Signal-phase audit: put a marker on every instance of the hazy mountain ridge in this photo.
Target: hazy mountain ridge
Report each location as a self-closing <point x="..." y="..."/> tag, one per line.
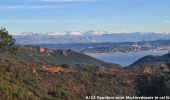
<point x="87" y="37"/>
<point x="112" y="47"/>
<point x="124" y="47"/>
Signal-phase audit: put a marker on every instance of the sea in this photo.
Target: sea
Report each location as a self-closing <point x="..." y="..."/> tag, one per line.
<point x="125" y="59"/>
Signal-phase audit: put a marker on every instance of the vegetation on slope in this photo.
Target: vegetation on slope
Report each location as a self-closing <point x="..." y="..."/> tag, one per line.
<point x="151" y="61"/>
<point x="22" y="80"/>
<point x="42" y="55"/>
<point x="156" y="83"/>
<point x="35" y="73"/>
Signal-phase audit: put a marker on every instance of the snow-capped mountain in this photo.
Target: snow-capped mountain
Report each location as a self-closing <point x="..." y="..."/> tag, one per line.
<point x="91" y="32"/>
<point x="86" y="37"/>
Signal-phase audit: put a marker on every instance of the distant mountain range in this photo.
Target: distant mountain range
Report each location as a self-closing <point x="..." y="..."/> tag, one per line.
<point x="86" y="37"/>
<point x="112" y="47"/>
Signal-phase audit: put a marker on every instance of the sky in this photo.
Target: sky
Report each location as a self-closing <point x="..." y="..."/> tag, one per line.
<point x="82" y="15"/>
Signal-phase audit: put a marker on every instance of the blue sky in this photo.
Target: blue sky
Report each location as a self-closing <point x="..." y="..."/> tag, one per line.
<point x="82" y="15"/>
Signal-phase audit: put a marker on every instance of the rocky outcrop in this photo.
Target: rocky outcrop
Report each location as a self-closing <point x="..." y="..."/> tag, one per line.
<point x="35" y="49"/>
<point x="49" y="52"/>
<point x="42" y="50"/>
<point x="55" y="70"/>
<point x="66" y="52"/>
<point x="147" y="70"/>
<point x="34" y="71"/>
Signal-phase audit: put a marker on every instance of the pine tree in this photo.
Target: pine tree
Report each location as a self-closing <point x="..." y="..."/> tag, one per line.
<point x="7" y="43"/>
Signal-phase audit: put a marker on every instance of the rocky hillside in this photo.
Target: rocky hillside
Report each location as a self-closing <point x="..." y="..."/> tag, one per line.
<point x="35" y="54"/>
<point x="21" y="78"/>
<point x="35" y="73"/>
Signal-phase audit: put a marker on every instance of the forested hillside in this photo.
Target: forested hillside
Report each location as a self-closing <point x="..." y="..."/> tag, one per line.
<point x="36" y="73"/>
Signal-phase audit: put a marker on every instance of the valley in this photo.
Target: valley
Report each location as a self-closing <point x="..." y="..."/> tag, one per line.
<point x="35" y="73"/>
<point x="84" y="50"/>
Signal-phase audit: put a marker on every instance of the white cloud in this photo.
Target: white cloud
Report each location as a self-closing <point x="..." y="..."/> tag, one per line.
<point x="167" y="21"/>
<point x="52" y="21"/>
<point x="83" y="21"/>
<point x="67" y="0"/>
<point x="27" y="21"/>
<point x="31" y="7"/>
